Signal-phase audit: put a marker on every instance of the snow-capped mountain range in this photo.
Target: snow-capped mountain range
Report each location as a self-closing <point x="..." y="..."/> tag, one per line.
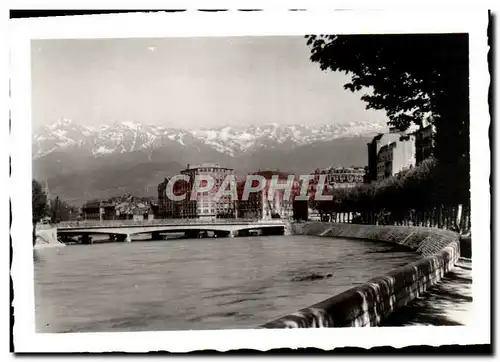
<point x="65" y="135"/>
<point x="82" y="163"/>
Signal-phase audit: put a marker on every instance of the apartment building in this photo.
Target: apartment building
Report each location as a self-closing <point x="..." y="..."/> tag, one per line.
<point x="389" y="154"/>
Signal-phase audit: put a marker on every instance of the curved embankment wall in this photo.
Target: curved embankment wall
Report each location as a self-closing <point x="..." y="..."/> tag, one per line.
<point x="47" y="238"/>
<point x="370" y="303"/>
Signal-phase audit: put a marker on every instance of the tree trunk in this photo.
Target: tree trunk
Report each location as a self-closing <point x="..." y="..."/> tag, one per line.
<point x="34" y="233"/>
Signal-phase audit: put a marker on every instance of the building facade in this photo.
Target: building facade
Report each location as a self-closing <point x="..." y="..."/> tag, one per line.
<point x="116" y="209"/>
<point x="260" y="205"/>
<point x="389" y="154"/>
<point x="91" y="210"/>
<point x="395" y="157"/>
<point x="424" y="143"/>
<point x="204" y="206"/>
<point x="99" y="210"/>
<point x="167" y="208"/>
<point x="341" y="177"/>
<point x="252" y="207"/>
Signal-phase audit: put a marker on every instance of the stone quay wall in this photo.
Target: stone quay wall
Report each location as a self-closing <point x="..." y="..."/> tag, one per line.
<point x="46" y="238"/>
<point x="368" y="304"/>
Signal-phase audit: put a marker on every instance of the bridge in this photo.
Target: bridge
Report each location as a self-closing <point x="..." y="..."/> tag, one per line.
<point x="123" y="230"/>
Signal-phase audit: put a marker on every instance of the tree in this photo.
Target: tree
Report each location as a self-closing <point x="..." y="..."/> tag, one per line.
<point x="410" y="189"/>
<point x="38" y="204"/>
<point x="300" y="210"/>
<point x="60" y="210"/>
<point x="413" y="78"/>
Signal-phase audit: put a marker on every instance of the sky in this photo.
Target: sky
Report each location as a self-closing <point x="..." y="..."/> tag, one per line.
<point x="189" y="83"/>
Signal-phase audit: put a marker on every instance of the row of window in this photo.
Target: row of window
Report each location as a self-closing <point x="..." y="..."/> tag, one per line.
<point x="339" y="172"/>
<point x="214" y="169"/>
<point x="214" y="208"/>
<point x="344" y="178"/>
<point x="198" y="171"/>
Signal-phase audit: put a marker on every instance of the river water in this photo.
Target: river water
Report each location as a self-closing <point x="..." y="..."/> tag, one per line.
<point x="200" y="283"/>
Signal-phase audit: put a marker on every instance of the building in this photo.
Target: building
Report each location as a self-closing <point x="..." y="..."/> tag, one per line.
<point x="300" y="210"/>
<point x="91" y="210"/>
<point x="167" y="208"/>
<point x="98" y="210"/>
<point x="161" y="211"/>
<point x="341" y="177"/>
<point x="252" y="207"/>
<point x="204" y="206"/>
<point x="389" y="154"/>
<point x="374" y="148"/>
<point x="259" y="204"/>
<point x="395" y="157"/>
<point x="142" y="212"/>
<point x="133" y="209"/>
<point x="424" y="143"/>
<point x="108" y="211"/>
<point x="117" y="209"/>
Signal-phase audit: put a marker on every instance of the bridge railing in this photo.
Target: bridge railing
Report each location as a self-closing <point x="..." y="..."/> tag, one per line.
<point x="124" y="223"/>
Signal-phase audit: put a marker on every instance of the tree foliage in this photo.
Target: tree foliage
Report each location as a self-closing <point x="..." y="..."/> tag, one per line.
<point x="413" y="78"/>
<point x="38" y="205"/>
<point x="60" y="210"/>
<point x="38" y="201"/>
<point x="412" y="189"/>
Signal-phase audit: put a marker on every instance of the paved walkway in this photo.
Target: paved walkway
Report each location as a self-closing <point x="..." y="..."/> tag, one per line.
<point x="448" y="303"/>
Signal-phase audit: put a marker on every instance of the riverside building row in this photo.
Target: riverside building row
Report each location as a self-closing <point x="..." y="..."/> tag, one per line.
<point x="396" y="151"/>
<point x="388" y="154"/>
<point x="204" y="206"/>
<point x="258" y="205"/>
<point x="126" y="208"/>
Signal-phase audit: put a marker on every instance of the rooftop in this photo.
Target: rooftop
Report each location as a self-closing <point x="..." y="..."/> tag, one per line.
<point x="206" y="165"/>
<point x="341" y="169"/>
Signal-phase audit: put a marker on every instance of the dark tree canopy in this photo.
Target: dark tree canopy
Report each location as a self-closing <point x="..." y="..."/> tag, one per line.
<point x="413" y="78"/>
<point x="409" y="74"/>
<point x="38" y="201"/>
<point x="60" y="210"/>
<point x="411" y="189"/>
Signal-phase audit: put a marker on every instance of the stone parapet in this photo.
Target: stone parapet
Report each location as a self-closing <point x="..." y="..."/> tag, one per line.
<point x="370" y="303"/>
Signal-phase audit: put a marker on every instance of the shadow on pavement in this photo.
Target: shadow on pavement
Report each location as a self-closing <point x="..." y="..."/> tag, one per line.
<point x="442" y="305"/>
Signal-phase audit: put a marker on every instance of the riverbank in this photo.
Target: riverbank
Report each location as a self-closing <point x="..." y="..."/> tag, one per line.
<point x="447" y="303"/>
<point x="196" y="284"/>
<point x="372" y="302"/>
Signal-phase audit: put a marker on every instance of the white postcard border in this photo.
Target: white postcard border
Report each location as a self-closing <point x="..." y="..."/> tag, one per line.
<point x="233" y="23"/>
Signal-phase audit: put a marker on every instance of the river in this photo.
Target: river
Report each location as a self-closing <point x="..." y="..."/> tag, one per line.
<point x="200" y="283"/>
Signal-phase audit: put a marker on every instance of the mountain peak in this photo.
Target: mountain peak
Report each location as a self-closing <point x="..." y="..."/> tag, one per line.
<point x="230" y="140"/>
<point x="63" y="122"/>
<point x="83" y="162"/>
<point x="131" y="125"/>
